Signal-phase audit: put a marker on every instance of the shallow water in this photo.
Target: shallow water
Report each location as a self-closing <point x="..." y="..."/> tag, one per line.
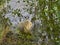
<point x="14" y="5"/>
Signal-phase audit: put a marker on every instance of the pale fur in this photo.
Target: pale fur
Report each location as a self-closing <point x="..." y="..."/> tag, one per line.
<point x="25" y="26"/>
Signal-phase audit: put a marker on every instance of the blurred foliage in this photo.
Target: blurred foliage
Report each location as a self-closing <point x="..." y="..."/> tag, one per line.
<point x="1" y="2"/>
<point x="48" y="11"/>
